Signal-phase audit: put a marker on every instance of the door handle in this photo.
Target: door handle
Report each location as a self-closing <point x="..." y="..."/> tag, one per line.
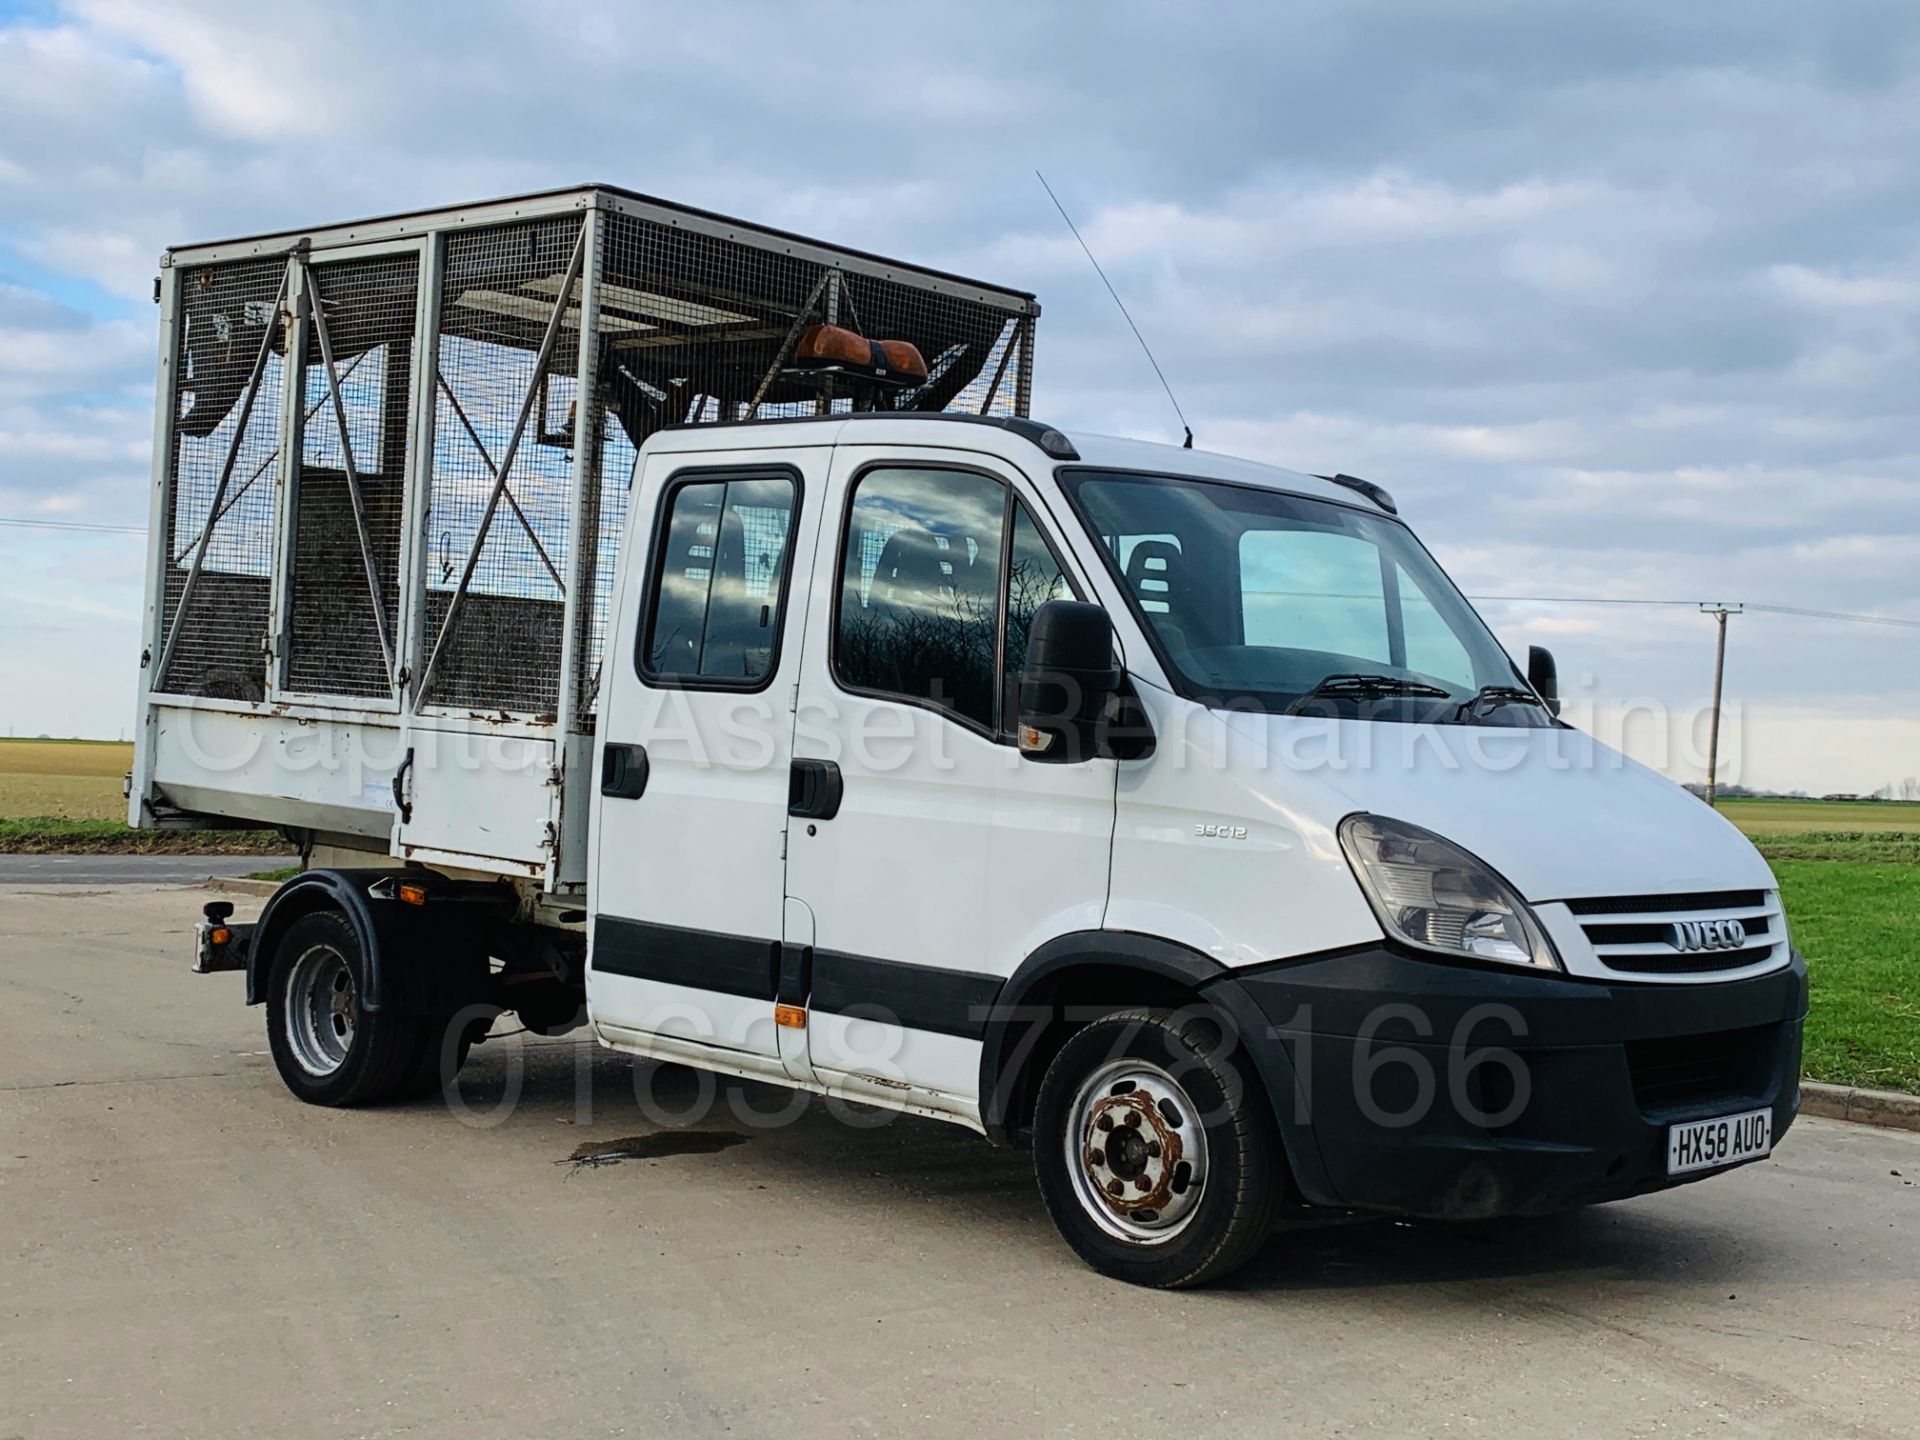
<point x="623" y="771"/>
<point x="400" y="801"/>
<point x="814" y="789"/>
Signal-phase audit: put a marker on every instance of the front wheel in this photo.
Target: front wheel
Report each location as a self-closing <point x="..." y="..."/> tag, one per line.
<point x="328" y="1048"/>
<point x="1154" y="1149"/>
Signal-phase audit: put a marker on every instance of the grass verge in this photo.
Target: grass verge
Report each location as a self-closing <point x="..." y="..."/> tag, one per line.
<point x="1858" y="924"/>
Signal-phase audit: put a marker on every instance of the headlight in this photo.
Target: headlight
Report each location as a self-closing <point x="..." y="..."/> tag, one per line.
<point x="1431" y="893"/>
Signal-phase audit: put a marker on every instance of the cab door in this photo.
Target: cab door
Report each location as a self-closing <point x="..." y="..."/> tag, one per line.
<point x="694" y="751"/>
<point x="926" y="857"/>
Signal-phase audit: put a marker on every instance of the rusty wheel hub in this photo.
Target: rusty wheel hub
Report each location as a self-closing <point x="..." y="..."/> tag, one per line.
<point x="1132" y="1152"/>
<point x="1137" y="1151"/>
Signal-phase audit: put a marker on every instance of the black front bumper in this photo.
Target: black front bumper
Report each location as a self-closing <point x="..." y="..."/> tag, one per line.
<point x="1423" y="1088"/>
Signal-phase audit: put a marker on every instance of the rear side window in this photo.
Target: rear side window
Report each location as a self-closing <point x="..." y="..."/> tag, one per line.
<point x="920" y="589"/>
<point x="714" y="608"/>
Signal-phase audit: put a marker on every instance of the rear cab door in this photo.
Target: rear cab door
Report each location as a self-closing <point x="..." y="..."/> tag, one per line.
<point x="695" y="743"/>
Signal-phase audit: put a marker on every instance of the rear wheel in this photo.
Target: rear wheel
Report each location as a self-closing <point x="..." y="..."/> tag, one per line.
<point x="444" y="1044"/>
<point x="328" y="1047"/>
<point x="1154" y="1149"/>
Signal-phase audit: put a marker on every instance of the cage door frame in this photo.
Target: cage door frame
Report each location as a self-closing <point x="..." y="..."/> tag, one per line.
<point x="434" y="647"/>
<point x="298" y="415"/>
<point x="218" y="504"/>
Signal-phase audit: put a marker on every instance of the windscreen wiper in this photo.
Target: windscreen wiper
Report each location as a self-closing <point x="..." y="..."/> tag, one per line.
<point x="1496" y="696"/>
<point x="1368" y="687"/>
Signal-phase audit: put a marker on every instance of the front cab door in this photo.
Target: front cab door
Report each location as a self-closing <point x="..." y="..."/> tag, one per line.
<point x="939" y="859"/>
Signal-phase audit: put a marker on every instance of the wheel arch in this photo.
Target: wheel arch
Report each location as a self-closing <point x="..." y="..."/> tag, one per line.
<point x="455" y="927"/>
<point x="342" y="891"/>
<point x="1115" y="969"/>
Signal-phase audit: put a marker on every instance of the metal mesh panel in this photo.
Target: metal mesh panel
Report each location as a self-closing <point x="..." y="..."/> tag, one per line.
<point x="501" y="285"/>
<point x="699" y="328"/>
<point x="337" y="644"/>
<point x="609" y="487"/>
<point x="224" y="314"/>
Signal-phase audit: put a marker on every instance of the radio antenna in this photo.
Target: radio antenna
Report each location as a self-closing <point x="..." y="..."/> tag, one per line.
<point x="1123" y="308"/>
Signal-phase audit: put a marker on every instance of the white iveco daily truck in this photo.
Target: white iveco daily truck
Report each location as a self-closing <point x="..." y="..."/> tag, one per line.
<point x="650" y="621"/>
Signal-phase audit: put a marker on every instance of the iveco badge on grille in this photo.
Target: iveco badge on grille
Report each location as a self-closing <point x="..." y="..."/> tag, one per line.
<point x="1707" y="934"/>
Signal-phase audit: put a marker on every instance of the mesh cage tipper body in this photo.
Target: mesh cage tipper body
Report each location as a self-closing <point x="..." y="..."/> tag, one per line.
<point x="394" y="457"/>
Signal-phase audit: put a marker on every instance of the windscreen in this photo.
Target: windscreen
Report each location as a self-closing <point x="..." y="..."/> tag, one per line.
<point x="1277" y="602"/>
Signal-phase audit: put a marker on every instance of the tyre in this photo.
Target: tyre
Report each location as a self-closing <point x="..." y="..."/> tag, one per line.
<point x="328" y="1048"/>
<point x="444" y="1043"/>
<point x="1155" y="1150"/>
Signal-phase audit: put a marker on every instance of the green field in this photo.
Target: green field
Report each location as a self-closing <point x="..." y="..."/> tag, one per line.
<point x="64" y="797"/>
<point x="1850" y="873"/>
<point x="1799" y="817"/>
<point x="1858" y="923"/>
<point x="65" y="779"/>
<point x="1850" y="877"/>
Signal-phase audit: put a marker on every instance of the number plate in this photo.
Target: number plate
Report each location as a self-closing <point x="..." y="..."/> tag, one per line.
<point x="1708" y="1144"/>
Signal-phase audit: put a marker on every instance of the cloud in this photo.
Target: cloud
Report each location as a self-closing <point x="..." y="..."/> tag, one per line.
<point x="248" y="71"/>
<point x="113" y="259"/>
<point x="1824" y="290"/>
<point x="1618" y="304"/>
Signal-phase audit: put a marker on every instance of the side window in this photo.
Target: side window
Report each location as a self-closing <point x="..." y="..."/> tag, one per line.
<point x="715" y="608"/>
<point x="920" y="588"/>
<point x="1034" y="577"/>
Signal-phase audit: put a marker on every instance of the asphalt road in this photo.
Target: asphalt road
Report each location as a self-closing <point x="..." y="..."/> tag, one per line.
<point x="130" y="869"/>
<point x="184" y="1250"/>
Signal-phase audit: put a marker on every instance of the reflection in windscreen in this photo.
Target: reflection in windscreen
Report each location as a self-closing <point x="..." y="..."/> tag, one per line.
<point x="1261" y="596"/>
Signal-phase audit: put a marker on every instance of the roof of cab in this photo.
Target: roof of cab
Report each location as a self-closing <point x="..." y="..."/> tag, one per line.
<point x="1019" y="441"/>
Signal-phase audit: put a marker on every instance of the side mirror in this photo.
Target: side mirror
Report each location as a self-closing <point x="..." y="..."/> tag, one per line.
<point x="1544" y="676"/>
<point x="1069" y="680"/>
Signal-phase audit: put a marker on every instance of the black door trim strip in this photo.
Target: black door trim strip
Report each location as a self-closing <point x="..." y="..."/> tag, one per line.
<point x="918" y="997"/>
<point x="698" y="959"/>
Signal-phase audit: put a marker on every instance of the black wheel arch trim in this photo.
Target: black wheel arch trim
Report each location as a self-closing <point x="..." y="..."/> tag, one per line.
<point x="1164" y="960"/>
<point x="450" y="926"/>
<point x="344" y="891"/>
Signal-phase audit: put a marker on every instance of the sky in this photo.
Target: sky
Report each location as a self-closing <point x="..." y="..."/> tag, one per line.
<point x="1619" y="299"/>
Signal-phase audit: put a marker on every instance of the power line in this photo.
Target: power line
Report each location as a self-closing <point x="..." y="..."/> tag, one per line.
<point x="1707" y="604"/>
<point x="1838" y="615"/>
<point x="1581" y="600"/>
<point x="81" y="525"/>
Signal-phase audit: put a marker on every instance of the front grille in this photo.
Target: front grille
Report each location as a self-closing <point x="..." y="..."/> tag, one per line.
<point x="1694" y="900"/>
<point x="1649" y="932"/>
<point x="1636" y="934"/>
<point x="1710" y="962"/>
<point x="1688" y="1069"/>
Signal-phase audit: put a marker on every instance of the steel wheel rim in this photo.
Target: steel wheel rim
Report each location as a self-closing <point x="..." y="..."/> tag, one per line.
<point x="1132" y="1125"/>
<point x="322" y="1010"/>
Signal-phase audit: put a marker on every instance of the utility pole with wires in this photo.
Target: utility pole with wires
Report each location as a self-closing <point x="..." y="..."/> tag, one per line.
<point x="1720" y="610"/>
